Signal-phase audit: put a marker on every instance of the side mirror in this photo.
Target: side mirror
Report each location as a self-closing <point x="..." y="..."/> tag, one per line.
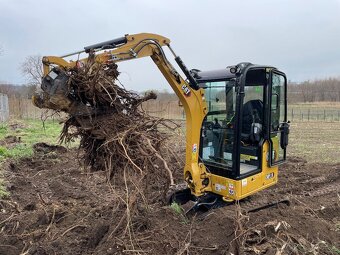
<point x="284" y="135"/>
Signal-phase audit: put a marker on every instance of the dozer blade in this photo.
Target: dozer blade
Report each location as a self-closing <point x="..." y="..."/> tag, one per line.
<point x="192" y="205"/>
<point x="180" y="194"/>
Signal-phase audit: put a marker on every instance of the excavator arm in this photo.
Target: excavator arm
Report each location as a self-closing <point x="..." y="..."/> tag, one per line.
<point x="190" y="95"/>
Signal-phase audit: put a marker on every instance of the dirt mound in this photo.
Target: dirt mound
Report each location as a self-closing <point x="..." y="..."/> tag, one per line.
<point x="10" y="141"/>
<point x="47" y="148"/>
<point x="16" y="125"/>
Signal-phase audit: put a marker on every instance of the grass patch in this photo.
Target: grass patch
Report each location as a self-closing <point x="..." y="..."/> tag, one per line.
<point x="176" y="208"/>
<point x="179" y="211"/>
<point x="30" y="132"/>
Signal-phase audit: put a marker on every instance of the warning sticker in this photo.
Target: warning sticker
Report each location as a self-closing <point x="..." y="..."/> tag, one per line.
<point x="269" y="176"/>
<point x="244" y="182"/>
<point x="194" y="148"/>
<point x="220" y="187"/>
<point x="186" y="90"/>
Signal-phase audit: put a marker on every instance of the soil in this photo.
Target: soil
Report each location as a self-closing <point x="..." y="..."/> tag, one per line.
<point x="55" y="207"/>
<point x="16" y="125"/>
<point x="10" y="141"/>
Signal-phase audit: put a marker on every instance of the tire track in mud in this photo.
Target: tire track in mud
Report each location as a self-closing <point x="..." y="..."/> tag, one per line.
<point x="297" y="181"/>
<point x="334" y="187"/>
<point x="319" y="179"/>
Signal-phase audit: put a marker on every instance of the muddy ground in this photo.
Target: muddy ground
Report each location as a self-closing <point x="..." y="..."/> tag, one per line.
<point x="57" y="208"/>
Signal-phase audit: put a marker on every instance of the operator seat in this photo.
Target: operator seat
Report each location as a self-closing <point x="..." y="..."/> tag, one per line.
<point x="252" y="118"/>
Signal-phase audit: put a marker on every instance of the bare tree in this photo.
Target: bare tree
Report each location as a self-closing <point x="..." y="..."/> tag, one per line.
<point x="31" y="68"/>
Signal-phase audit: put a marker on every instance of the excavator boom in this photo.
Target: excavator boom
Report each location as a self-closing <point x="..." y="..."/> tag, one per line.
<point x="133" y="47"/>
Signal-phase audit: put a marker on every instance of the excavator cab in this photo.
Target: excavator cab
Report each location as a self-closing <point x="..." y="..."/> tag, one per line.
<point x="245" y="110"/>
<point x="244" y="134"/>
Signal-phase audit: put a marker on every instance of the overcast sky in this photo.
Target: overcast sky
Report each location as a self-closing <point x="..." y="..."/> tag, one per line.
<point x="301" y="38"/>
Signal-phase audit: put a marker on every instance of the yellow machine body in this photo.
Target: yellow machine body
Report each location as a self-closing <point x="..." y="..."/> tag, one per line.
<point x="195" y="106"/>
<point x="232" y="190"/>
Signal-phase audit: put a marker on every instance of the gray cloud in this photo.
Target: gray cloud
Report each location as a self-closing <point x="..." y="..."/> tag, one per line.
<point x="301" y="38"/>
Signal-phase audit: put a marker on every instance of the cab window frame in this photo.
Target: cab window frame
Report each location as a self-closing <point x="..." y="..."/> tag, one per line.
<point x="242" y="81"/>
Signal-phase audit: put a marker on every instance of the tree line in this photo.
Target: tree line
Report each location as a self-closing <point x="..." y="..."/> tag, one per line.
<point x="308" y="91"/>
<point x="315" y="91"/>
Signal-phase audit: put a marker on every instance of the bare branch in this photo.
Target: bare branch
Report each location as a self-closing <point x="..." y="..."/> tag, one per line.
<point x="31" y="69"/>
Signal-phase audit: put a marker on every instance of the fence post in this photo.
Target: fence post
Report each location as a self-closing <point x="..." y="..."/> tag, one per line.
<point x="4" y="108"/>
<point x="292" y="114"/>
<point x="308" y="114"/>
<point x="324" y="114"/>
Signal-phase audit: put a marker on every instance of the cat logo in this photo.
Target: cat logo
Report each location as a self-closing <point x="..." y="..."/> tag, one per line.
<point x="186" y="90"/>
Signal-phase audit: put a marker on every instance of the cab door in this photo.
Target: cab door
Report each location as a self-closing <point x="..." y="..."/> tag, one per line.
<point x="278" y="125"/>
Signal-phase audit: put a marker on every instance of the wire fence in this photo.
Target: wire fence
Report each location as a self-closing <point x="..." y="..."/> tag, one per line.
<point x="22" y="108"/>
<point x="313" y="114"/>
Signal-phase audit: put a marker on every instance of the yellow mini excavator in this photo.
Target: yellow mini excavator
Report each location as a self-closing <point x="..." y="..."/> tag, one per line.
<point x="236" y="117"/>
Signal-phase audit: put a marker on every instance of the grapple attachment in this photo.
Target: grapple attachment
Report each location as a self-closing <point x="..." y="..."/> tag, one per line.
<point x="56" y="94"/>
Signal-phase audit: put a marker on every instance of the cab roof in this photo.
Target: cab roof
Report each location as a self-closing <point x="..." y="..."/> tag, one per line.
<point x="224" y="74"/>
